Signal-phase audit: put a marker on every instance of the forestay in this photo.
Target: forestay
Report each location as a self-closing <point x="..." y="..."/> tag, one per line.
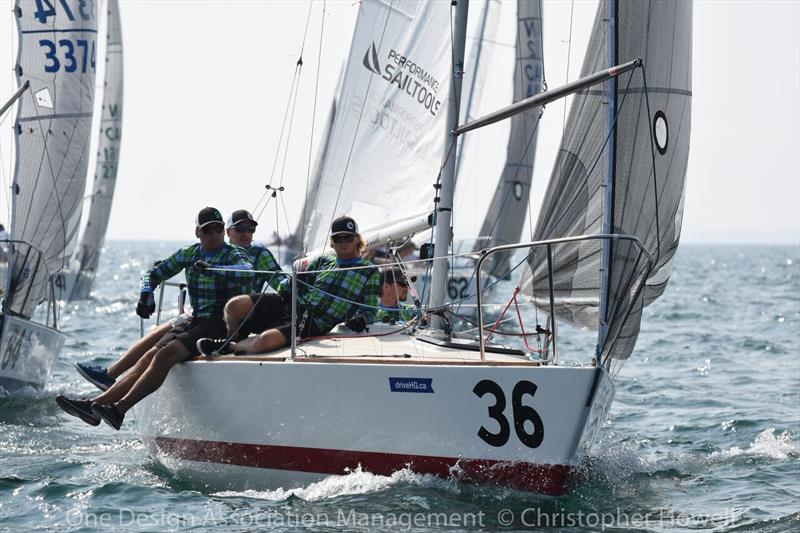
<point x="57" y="49"/>
<point x="105" y="176"/>
<point x="648" y="184"/>
<point x="387" y="139"/>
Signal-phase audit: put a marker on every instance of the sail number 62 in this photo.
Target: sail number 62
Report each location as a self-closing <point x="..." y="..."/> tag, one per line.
<point x="522" y="413"/>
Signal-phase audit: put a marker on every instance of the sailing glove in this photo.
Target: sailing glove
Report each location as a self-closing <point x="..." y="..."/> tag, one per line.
<point x="357" y="323"/>
<point x="146" y="305"/>
<point x="201" y="266"/>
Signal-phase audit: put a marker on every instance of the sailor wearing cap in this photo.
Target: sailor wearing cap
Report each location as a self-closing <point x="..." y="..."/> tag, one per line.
<point x="393" y="291"/>
<point x="208" y="292"/>
<point x="336" y="288"/>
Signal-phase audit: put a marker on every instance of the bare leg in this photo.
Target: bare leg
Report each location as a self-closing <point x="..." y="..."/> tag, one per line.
<point x="236" y="310"/>
<point x="137" y="350"/>
<point x="152" y="378"/>
<point x="269" y="340"/>
<point x="121" y="387"/>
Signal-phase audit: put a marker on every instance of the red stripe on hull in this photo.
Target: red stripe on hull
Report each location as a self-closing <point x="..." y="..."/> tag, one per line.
<point x="553" y="480"/>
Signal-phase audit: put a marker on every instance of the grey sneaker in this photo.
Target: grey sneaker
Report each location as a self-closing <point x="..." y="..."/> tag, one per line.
<point x="81" y="408"/>
<point x="110" y="414"/>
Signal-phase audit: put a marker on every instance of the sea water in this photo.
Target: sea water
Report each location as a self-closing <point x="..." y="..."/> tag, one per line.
<point x="703" y="433"/>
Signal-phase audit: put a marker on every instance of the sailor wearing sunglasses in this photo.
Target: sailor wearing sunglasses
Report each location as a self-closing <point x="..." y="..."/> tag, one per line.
<point x="334" y="290"/>
<point x="208" y="292"/>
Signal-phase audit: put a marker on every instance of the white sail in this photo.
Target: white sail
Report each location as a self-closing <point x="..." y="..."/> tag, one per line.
<point x="105" y="175"/>
<point x="389" y="120"/>
<point x="57" y="49"/>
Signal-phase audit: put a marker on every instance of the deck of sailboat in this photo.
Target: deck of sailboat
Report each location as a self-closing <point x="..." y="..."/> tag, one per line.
<point x="390" y="344"/>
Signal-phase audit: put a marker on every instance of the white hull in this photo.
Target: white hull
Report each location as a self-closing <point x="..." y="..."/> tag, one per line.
<point x="28" y="351"/>
<point x="267" y="421"/>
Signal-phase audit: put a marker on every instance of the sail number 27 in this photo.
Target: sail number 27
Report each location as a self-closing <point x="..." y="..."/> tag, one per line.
<point x="530" y="437"/>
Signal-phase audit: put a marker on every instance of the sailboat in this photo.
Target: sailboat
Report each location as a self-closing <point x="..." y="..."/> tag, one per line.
<point x="420" y="398"/>
<point x="55" y="72"/>
<point x="75" y="282"/>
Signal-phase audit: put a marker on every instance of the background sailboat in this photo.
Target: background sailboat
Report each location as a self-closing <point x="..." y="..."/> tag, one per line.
<point x="75" y="283"/>
<point x="56" y="66"/>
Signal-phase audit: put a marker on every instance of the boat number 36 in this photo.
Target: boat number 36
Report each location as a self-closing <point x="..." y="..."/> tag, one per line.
<point x="527" y="422"/>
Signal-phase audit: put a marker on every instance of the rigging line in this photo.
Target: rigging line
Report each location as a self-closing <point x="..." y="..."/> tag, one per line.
<point x="266" y="204"/>
<point x="305" y="32"/>
<point x="301" y="226"/>
<point x="295" y="77"/>
<point x="53" y="178"/>
<point x="285" y="215"/>
<point x="358" y="127"/>
<point x="650" y="126"/>
<point x="575" y="197"/>
<point x="569" y="57"/>
<point x="289" y="135"/>
<point x="509" y="189"/>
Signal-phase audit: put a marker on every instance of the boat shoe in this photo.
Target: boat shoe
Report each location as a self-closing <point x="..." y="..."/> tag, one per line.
<point x="212" y="347"/>
<point x="96" y="375"/>
<point x="110" y="414"/>
<point x="81" y="408"/>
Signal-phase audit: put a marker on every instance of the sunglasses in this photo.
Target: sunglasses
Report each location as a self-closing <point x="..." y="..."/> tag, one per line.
<point x="400" y="282"/>
<point x="244" y="229"/>
<point x="343" y="238"/>
<point x="216" y="227"/>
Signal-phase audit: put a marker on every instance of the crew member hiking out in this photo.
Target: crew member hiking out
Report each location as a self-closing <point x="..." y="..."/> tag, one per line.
<point x="208" y="292"/>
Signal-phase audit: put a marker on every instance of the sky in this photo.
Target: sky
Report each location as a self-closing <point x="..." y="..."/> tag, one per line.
<point x="207" y="85"/>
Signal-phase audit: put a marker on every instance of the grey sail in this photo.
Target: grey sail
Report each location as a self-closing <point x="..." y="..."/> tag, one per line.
<point x="648" y="170"/>
<point x="504" y="219"/>
<point x="108" y="149"/>
<point x="57" y="48"/>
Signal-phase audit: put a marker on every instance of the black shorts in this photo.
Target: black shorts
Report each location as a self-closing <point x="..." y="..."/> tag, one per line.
<point x="188" y="332"/>
<point x="271" y="311"/>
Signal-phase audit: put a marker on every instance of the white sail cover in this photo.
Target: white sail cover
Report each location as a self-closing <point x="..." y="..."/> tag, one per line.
<point x="105" y="175"/>
<point x="57" y="49"/>
<point x="388" y="136"/>
<point x="648" y="179"/>
<point x="508" y="209"/>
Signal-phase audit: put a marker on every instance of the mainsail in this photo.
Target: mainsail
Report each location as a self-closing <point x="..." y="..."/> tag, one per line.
<point x="57" y="47"/>
<point x="389" y="120"/>
<point x="105" y="175"/>
<point x="650" y="135"/>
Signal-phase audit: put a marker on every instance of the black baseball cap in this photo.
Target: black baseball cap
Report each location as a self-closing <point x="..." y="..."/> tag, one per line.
<point x="344" y="225"/>
<point x="395" y="275"/>
<point x="241" y="215"/>
<point x="208" y="215"/>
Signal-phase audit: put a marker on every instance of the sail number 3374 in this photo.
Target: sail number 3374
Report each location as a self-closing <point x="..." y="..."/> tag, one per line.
<point x="66" y="54"/>
<point x="530" y="434"/>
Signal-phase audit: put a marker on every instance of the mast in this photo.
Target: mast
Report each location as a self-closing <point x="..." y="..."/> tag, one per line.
<point x="608" y="178"/>
<point x="444" y="206"/>
<point x="477" y="59"/>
